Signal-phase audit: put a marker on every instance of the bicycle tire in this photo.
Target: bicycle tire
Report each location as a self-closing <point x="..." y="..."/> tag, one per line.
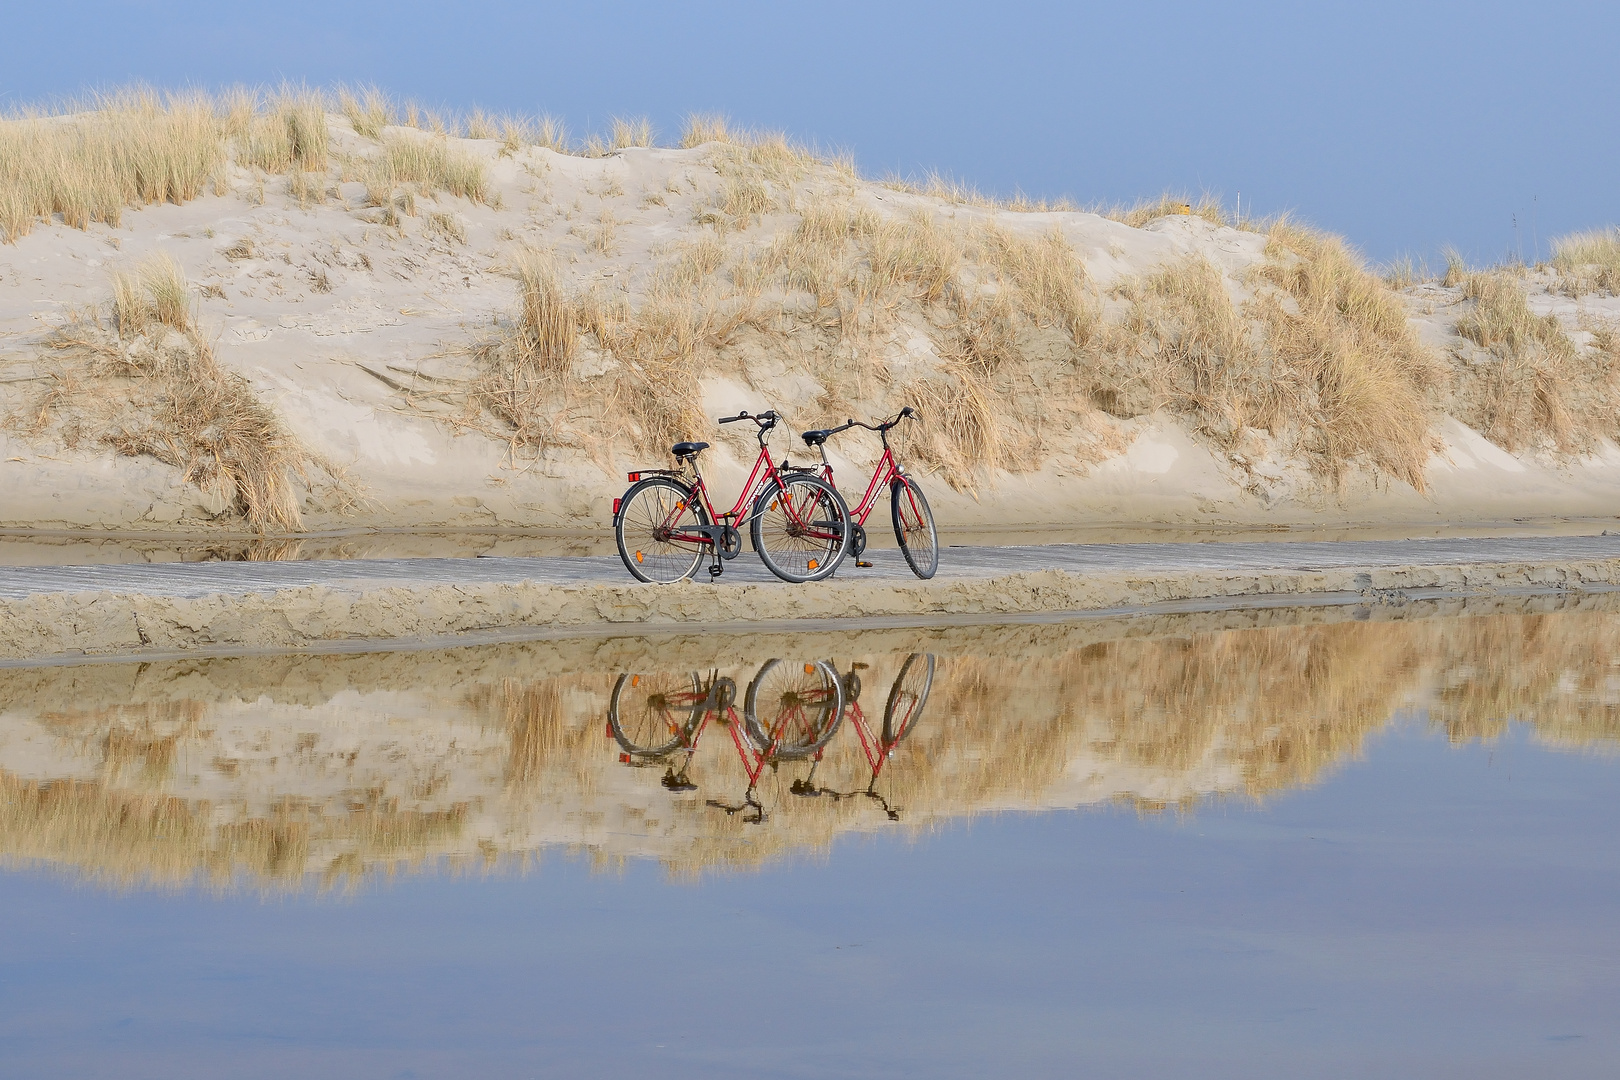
<point x="642" y="718"/>
<point x="910" y="696"/>
<point x="648" y="506"/>
<point x="914" y="527"/>
<point x="808" y="703"/>
<point x="779" y="536"/>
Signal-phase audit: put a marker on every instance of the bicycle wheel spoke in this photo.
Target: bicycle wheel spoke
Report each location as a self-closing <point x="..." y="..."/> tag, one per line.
<point x="801" y="529"/>
<point x="793" y="709"/>
<point x="653" y="527"/>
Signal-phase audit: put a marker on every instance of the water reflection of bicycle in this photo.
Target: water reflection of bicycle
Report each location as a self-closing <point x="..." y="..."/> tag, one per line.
<point x="901" y="715"/>
<point x="790" y="711"/>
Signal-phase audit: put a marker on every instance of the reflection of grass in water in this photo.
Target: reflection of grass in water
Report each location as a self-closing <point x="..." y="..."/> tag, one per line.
<point x="1556" y="673"/>
<point x="1165" y="720"/>
<point x="133" y="838"/>
<point x="541" y="719"/>
<point x="138" y="742"/>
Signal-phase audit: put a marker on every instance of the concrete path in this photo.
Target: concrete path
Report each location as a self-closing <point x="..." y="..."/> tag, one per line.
<point x="196" y="580"/>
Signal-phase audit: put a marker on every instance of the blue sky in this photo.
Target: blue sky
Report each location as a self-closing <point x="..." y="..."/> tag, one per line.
<point x="1406" y="127"/>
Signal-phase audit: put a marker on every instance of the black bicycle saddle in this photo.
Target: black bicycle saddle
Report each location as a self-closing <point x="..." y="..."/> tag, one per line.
<point x="815" y="438"/>
<point x="688" y="449"/>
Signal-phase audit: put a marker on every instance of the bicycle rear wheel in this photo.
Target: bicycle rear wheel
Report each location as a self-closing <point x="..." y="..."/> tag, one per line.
<point x="792" y="709"/>
<point x="914" y="527"/>
<point x="907" y="697"/>
<point x="801" y="528"/>
<point x="652" y="715"/>
<point x="654" y="530"/>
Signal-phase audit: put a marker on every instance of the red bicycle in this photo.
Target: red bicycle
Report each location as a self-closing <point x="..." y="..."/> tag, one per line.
<point x="665" y="524"/>
<point x="913" y="519"/>
<point x="789" y="712"/>
<point x="901" y="715"/>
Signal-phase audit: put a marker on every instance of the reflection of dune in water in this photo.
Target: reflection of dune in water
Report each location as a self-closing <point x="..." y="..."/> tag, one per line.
<point x="301" y="770"/>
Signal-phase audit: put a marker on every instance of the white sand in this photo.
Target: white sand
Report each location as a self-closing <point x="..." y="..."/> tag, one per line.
<point x="405" y="306"/>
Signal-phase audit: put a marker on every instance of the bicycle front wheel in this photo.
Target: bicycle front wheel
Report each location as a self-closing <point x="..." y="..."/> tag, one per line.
<point x="657" y="530"/>
<point x="907" y="697"/>
<point x="914" y="527"/>
<point x="801" y="528"/>
<point x="651" y="715"/>
<point x="792" y="709"/>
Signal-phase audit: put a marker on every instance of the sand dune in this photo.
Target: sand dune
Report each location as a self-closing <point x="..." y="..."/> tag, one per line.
<point x="377" y="325"/>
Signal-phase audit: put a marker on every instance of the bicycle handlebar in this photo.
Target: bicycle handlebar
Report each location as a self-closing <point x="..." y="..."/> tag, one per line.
<point x="904" y="414"/>
<point x="763" y="419"/>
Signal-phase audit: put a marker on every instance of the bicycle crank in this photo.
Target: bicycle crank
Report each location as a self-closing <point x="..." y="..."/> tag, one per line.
<point x="857" y="540"/>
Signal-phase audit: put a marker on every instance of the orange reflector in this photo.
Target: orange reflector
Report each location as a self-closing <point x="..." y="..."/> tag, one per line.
<point x="774" y="504"/>
<point x="809" y="669"/>
<point x="635" y="680"/>
<point x="814" y="563"/>
<point x="638" y="556"/>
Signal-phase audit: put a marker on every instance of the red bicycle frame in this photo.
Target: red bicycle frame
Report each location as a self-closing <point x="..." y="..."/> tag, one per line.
<point x="886" y="473"/>
<point x="764" y="473"/>
<point x="888" y="470"/>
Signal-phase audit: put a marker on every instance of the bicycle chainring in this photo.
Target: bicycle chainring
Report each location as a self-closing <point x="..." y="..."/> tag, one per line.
<point x="730" y="545"/>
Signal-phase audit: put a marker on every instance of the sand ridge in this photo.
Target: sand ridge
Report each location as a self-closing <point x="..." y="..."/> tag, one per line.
<point x="359" y="333"/>
<point x="89" y="624"/>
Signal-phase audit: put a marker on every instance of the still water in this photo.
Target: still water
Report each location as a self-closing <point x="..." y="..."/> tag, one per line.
<point x="1247" y="845"/>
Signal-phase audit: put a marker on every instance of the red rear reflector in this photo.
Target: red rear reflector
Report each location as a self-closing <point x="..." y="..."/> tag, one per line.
<point x="616" y="504"/>
<point x="634" y="477"/>
<point x="625" y="758"/>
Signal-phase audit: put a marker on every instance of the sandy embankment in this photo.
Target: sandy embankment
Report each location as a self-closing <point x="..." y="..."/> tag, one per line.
<point x="85" y="625"/>
<point x="358" y="330"/>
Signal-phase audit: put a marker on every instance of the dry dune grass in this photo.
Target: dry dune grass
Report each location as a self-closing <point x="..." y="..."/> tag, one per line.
<point x="701" y="128"/>
<point x="137" y="147"/>
<point x="1322" y="355"/>
<point x="1589" y="262"/>
<point x="1370" y="387"/>
<point x="1334" y="365"/>
<point x="368" y="109"/>
<point x="954" y="192"/>
<point x="1532" y="386"/>
<point x="1168" y="205"/>
<point x="149" y="384"/>
<point x="430" y="164"/>
<point x="844" y="272"/>
<point x="278" y="134"/>
<point x="127" y="149"/>
<point x="526" y="377"/>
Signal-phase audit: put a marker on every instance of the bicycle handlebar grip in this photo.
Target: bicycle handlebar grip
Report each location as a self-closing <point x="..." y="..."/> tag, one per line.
<point x="733" y="419"/>
<point x="769" y="414"/>
<point x="909" y="411"/>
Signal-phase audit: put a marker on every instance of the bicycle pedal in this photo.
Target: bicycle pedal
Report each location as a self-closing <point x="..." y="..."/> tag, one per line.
<point x="863" y="565"/>
<point x="716" y="570"/>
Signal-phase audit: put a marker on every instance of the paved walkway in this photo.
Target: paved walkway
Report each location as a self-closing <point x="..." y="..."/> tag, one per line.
<point x="956" y="563"/>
